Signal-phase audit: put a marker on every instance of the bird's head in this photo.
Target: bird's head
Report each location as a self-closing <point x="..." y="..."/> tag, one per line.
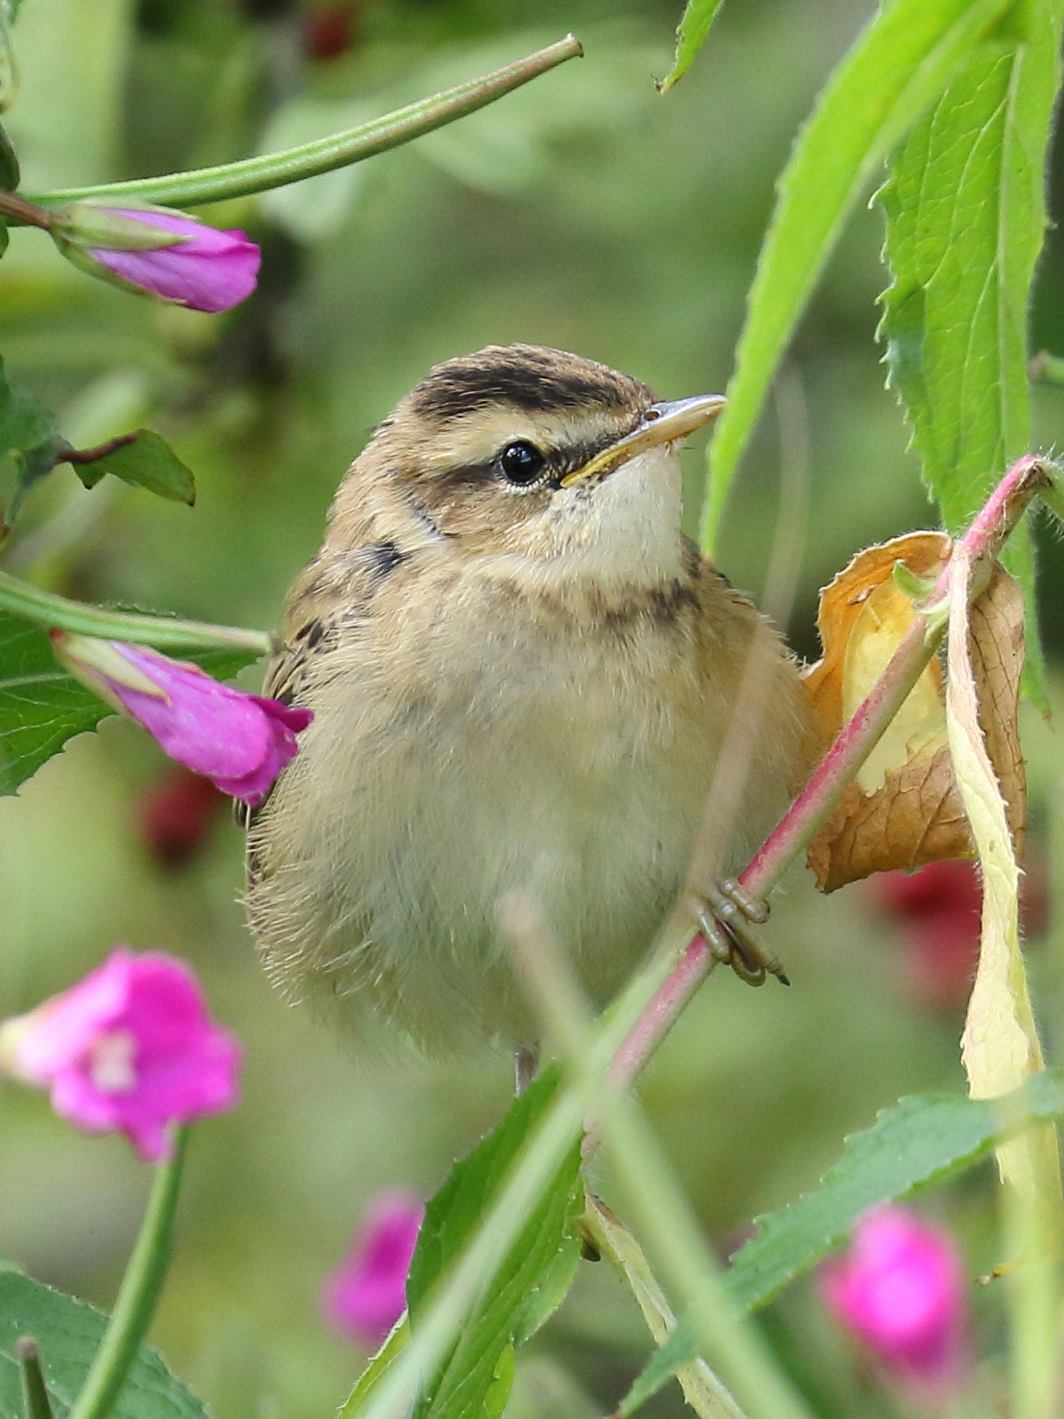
<point x="539" y="458"/>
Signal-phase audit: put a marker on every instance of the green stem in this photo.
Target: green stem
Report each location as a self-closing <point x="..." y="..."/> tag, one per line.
<point x="704" y="1391"/>
<point x="239" y="179"/>
<point x="138" y="1293"/>
<point x="35" y="1401"/>
<point x="45" y="608"/>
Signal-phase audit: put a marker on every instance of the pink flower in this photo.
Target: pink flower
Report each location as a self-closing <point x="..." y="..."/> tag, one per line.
<point x="901" y="1290"/>
<point x="131" y="1049"/>
<point x="938" y="908"/>
<point x="158" y="252"/>
<point x="366" y="1294"/>
<point x="938" y="911"/>
<point x="240" y="742"/>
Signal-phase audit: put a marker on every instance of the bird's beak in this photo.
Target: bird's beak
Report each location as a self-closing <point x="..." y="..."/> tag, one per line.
<point x="662" y="423"/>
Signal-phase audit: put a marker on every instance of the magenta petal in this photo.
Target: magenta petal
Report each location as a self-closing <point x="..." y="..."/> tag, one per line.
<point x="901" y="1290"/>
<point x="240" y="742"/>
<point x="208" y="270"/>
<point x="65" y="1026"/>
<point x="366" y="1294"/>
<point x="131" y="1049"/>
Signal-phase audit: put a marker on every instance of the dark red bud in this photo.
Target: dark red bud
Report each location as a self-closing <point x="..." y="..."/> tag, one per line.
<point x="176" y="816"/>
<point x="329" y="31"/>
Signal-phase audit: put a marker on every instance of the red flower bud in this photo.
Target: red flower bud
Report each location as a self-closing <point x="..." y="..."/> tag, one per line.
<point x="329" y="30"/>
<point x="176" y="814"/>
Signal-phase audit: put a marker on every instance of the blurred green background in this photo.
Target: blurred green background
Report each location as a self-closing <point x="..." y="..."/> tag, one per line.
<point x="586" y="212"/>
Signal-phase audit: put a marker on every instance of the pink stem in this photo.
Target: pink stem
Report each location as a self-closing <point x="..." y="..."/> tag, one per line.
<point x="856" y="740"/>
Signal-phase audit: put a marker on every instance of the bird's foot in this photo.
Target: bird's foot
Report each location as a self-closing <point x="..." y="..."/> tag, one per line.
<point x="728" y="917"/>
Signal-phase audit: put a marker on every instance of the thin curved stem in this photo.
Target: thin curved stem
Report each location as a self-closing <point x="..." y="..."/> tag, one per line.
<point x="138" y="1293"/>
<point x="250" y="175"/>
<point x="47" y="609"/>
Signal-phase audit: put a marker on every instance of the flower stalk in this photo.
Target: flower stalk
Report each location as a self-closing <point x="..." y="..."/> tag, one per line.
<point x="19" y="213"/>
<point x="138" y="1293"/>
<point x="981" y="544"/>
<point x="259" y="174"/>
<point x="45" y="608"/>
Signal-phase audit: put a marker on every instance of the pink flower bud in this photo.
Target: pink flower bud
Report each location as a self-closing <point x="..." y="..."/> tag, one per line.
<point x="900" y="1289"/>
<point x="131" y="1049"/>
<point x="366" y="1294"/>
<point x="240" y="742"/>
<point x="158" y="252"/>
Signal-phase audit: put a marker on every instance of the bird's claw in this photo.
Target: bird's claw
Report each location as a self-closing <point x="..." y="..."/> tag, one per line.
<point x="728" y="917"/>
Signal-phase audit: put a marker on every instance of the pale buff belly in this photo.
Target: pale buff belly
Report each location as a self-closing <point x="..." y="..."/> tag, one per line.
<point x="580" y="797"/>
<point x="572" y="771"/>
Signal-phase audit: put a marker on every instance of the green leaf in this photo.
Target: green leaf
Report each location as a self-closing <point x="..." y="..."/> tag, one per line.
<point x="32" y="465"/>
<point x="145" y="461"/>
<point x="900" y="63"/>
<point x="25" y="423"/>
<point x="378" y="1367"/>
<point x="9" y="169"/>
<point x="68" y="1333"/>
<point x="29" y="432"/>
<point x="41" y="707"/>
<point x="965" y="213"/>
<point x="920" y="1141"/>
<point x="691" y="32"/>
<point x="528" y="1286"/>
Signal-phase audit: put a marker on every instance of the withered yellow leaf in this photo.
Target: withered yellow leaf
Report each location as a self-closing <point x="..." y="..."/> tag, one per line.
<point x="1000" y="1046"/>
<point x="841" y="604"/>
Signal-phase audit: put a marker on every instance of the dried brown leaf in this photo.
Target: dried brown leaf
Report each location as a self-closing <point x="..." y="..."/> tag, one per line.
<point x="904" y="810"/>
<point x="915" y="818"/>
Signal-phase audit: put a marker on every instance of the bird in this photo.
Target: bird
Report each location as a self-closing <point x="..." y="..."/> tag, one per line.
<point x="522" y="676"/>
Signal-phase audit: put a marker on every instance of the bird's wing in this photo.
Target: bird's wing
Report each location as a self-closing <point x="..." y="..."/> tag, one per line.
<point x="310" y="625"/>
<point x="328" y="598"/>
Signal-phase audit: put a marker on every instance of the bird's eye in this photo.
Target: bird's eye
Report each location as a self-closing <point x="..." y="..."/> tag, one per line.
<point x="522" y="463"/>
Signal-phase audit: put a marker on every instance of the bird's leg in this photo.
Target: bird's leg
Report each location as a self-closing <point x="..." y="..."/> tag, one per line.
<point x="728" y="917"/>
<point x="526" y="1063"/>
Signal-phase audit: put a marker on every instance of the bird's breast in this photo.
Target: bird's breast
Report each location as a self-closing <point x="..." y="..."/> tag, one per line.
<point x="475" y="742"/>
